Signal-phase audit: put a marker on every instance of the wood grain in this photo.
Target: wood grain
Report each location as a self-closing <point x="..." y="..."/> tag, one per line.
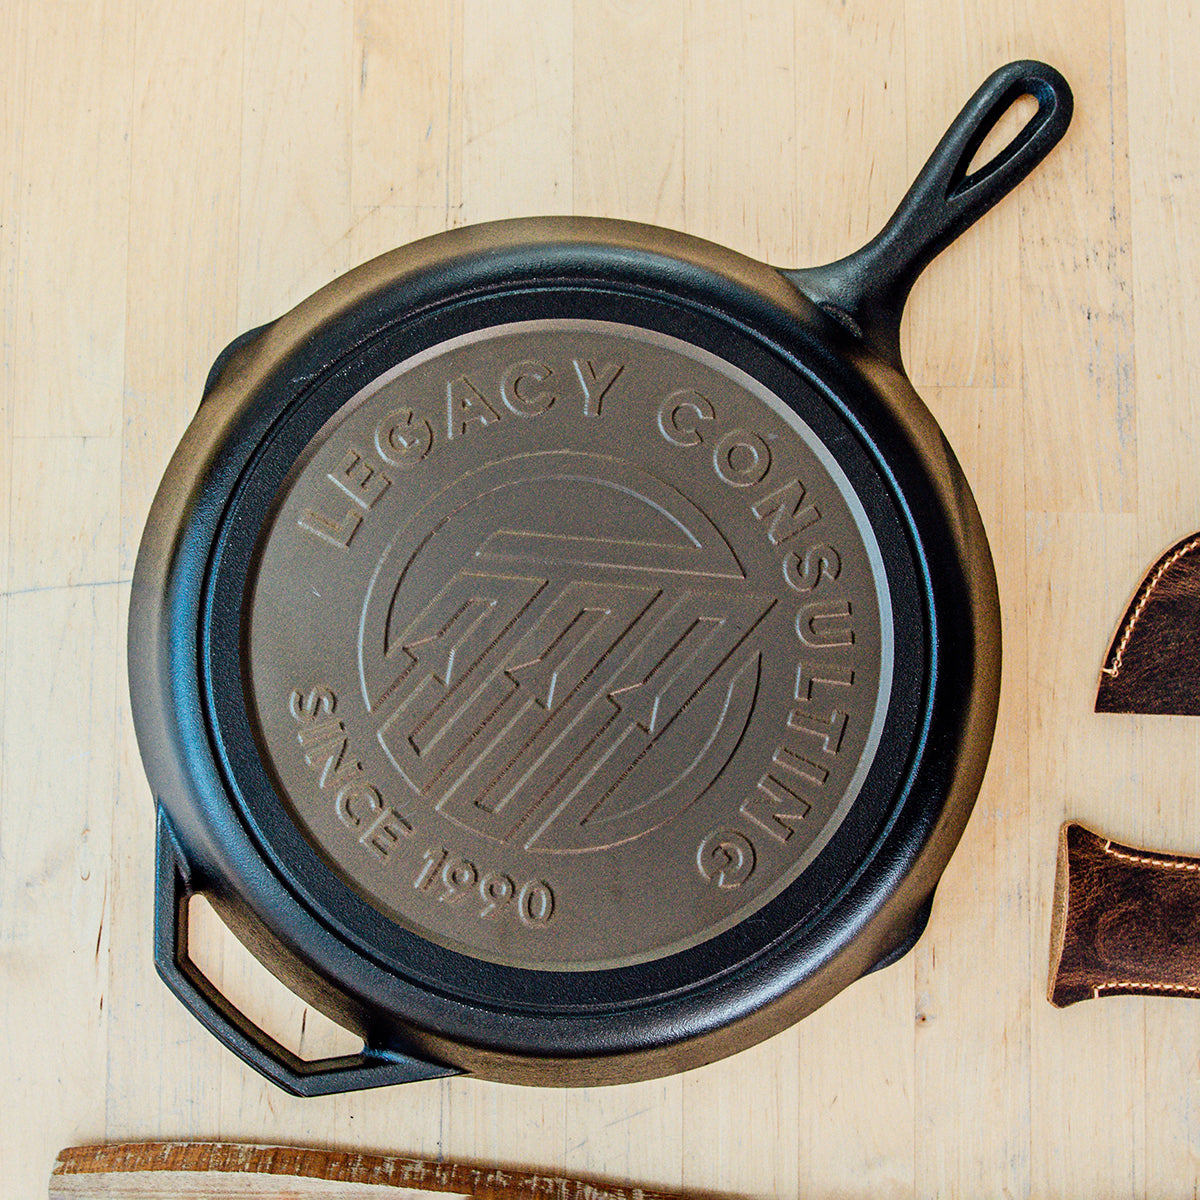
<point x="406" y="116"/>
<point x="172" y="173"/>
<point x="965" y="323"/>
<point x="976" y="1056"/>
<point x="1076" y="301"/>
<point x="739" y="189"/>
<point x="517" y="109"/>
<point x="614" y="175"/>
<point x="1087" y="1068"/>
<point x="72" y="121"/>
<point x="294" y="204"/>
<point x="58" y="809"/>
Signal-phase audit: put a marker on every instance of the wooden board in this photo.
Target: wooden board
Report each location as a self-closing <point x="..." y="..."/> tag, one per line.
<point x="171" y="174"/>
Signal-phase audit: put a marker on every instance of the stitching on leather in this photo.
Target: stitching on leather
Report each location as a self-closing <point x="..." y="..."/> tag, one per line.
<point x="1173" y="864"/>
<point x="1147" y="591"/>
<point x="1099" y="989"/>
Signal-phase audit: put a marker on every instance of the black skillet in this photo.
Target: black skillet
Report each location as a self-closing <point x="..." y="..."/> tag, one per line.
<point x="568" y="651"/>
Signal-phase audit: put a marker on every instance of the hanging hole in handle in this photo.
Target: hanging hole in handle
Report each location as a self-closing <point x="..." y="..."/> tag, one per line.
<point x="1002" y="136"/>
<point x="237" y="975"/>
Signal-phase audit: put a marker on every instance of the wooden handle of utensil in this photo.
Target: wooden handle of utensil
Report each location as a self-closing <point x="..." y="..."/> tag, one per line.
<point x="1126" y="921"/>
<point x="158" y="1170"/>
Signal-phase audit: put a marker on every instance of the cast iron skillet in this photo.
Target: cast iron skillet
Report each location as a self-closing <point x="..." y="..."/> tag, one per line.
<point x="568" y="651"/>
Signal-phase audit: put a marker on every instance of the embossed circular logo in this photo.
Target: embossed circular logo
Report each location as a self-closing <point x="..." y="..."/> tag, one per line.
<point x="569" y="644"/>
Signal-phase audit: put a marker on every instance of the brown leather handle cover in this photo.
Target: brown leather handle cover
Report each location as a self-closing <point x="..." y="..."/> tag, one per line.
<point x="1126" y="921"/>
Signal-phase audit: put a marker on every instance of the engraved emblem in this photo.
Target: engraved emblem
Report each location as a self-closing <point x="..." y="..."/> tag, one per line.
<point x="568" y="645"/>
<point x="570" y="692"/>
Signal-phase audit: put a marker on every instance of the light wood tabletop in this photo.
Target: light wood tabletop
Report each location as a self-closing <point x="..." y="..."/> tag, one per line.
<point x="172" y="174"/>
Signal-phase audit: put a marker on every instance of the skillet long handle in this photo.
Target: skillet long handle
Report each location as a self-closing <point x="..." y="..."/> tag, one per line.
<point x="867" y="290"/>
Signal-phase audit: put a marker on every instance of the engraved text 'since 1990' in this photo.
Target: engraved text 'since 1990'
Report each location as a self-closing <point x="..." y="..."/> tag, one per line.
<point x="590" y="623"/>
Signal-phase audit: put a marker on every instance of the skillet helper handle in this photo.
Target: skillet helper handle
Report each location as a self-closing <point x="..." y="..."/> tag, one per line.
<point x="867" y="290"/>
<point x="371" y="1067"/>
